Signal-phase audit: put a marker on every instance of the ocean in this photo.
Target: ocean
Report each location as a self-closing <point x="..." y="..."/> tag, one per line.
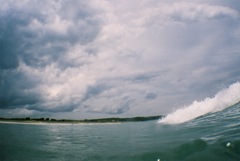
<point x="211" y="137"/>
<point x="210" y="132"/>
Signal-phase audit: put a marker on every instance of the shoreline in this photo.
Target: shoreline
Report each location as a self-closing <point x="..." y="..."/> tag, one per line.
<point x="56" y="123"/>
<point x="50" y="121"/>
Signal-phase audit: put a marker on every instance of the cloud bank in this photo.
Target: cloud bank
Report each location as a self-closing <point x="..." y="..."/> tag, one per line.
<point x="113" y="57"/>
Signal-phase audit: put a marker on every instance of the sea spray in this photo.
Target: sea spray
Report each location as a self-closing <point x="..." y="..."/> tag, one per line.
<point x="220" y="101"/>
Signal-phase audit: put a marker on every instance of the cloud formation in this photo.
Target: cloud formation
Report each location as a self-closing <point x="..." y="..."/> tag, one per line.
<point x="114" y="57"/>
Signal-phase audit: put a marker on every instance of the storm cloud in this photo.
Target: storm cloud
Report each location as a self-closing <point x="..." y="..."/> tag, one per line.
<point x="114" y="57"/>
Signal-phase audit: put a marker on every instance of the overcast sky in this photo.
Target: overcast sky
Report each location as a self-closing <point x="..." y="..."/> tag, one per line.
<point x="110" y="58"/>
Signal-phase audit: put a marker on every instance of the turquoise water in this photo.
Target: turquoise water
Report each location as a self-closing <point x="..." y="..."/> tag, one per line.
<point x="211" y="137"/>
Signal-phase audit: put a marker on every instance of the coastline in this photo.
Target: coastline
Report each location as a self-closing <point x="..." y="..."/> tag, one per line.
<point x="32" y="123"/>
<point x="54" y="123"/>
<point x="49" y="121"/>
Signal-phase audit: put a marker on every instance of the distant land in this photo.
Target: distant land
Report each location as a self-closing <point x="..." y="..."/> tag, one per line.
<point x="100" y="120"/>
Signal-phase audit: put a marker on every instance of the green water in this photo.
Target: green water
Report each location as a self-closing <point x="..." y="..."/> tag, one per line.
<point x="212" y="137"/>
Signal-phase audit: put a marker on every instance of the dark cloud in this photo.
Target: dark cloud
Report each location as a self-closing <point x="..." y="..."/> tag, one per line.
<point x="119" y="109"/>
<point x="151" y="96"/>
<point x="47" y="46"/>
<point x="15" y="88"/>
<point x="95" y="90"/>
<point x="115" y="109"/>
<point x="9" y="40"/>
<point x="144" y="77"/>
<point x="15" y="91"/>
<point x="32" y="37"/>
<point x="122" y="107"/>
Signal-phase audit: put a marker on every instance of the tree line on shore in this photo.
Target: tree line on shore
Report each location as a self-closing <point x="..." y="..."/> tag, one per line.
<point x="101" y="120"/>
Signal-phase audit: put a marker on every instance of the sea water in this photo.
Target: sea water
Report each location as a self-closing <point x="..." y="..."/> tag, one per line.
<point x="213" y="135"/>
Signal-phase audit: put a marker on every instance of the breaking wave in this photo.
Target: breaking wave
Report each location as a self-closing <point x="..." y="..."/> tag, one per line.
<point x="220" y="101"/>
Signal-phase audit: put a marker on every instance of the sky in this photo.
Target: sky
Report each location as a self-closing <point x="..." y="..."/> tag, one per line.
<point x="112" y="58"/>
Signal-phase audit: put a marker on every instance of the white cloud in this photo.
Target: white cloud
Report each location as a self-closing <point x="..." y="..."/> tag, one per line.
<point x="193" y="11"/>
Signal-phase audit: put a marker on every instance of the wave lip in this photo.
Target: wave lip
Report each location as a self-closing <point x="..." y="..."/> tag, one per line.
<point x="220" y="101"/>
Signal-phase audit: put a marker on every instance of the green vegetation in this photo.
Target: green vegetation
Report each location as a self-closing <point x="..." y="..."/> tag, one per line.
<point x="101" y="120"/>
<point x="133" y="119"/>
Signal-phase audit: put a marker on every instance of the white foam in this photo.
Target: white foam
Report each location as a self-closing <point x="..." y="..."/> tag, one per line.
<point x="220" y="101"/>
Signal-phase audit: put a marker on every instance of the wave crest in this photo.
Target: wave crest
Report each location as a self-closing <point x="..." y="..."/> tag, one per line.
<point x="220" y="101"/>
